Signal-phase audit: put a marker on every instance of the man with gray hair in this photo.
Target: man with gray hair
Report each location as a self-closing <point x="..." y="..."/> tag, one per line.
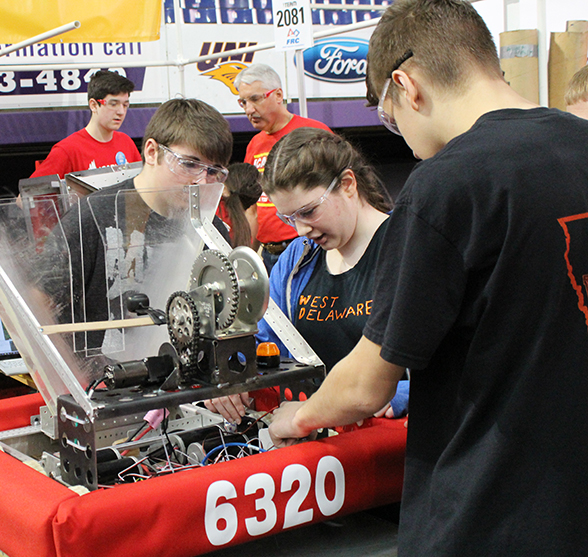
<point x="262" y="98"/>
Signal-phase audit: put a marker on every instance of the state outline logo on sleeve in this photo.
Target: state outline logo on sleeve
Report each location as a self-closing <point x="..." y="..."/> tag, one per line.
<point x="578" y="278"/>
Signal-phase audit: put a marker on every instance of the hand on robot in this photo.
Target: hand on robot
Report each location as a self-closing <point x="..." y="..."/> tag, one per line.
<point x="283" y="430"/>
<point x="232" y="408"/>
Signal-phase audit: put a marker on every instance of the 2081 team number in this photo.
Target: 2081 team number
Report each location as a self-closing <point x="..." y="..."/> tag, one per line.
<point x="290" y="16"/>
<point x="221" y="519"/>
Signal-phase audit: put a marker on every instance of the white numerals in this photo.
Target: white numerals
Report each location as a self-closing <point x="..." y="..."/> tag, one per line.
<point x="330" y="465"/>
<point x="7" y="83"/>
<point x="296" y="473"/>
<point x="224" y="514"/>
<point x="265" y="483"/>
<point x="221" y="520"/>
<point x="70" y="80"/>
<point x="47" y="79"/>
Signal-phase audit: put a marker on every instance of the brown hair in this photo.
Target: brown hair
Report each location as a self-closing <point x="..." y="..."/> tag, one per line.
<point x="577" y="89"/>
<point x="447" y="38"/>
<point x="193" y="123"/>
<point x="104" y="83"/>
<point x="312" y="157"/>
<point x="244" y="188"/>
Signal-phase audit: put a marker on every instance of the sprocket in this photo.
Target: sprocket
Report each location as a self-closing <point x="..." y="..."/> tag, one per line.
<point x="214" y="269"/>
<point x="183" y="325"/>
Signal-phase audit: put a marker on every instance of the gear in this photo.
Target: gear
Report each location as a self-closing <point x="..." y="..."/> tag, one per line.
<point x="183" y="325"/>
<point x="253" y="284"/>
<point x="213" y="269"/>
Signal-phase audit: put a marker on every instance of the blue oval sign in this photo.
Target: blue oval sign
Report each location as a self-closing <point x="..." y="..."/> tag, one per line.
<point x="337" y="60"/>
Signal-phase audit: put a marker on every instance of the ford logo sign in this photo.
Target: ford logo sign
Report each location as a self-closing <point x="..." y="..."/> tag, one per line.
<point x="337" y="60"/>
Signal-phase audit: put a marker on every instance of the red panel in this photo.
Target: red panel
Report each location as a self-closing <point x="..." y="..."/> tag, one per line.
<point x="17" y="411"/>
<point x="183" y="515"/>
<point x="193" y="512"/>
<point x="28" y="503"/>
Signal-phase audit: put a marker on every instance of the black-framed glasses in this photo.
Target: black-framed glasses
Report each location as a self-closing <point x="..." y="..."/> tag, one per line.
<point x="311" y="212"/>
<point x="255" y="99"/>
<point x="191" y="167"/>
<point x="384" y="117"/>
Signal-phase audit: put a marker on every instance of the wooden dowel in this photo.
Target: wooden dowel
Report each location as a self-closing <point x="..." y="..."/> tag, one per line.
<point x="96" y="325"/>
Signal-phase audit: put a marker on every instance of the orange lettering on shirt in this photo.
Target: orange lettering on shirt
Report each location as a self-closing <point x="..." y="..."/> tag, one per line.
<point x="304" y="300"/>
<point x="334" y="299"/>
<point x="359" y="309"/>
<point x="331" y="316"/>
<point x="350" y="311"/>
<point x="301" y="313"/>
<point x="340" y="315"/>
<point x="310" y="316"/>
<point x="315" y="302"/>
<point x="368" y="307"/>
<point x="324" y="303"/>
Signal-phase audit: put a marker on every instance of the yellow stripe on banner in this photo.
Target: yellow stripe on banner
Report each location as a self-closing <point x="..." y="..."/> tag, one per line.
<point x="101" y="20"/>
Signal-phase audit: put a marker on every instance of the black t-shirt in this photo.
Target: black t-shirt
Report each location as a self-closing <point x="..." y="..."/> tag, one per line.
<point x="482" y="292"/>
<point x="333" y="309"/>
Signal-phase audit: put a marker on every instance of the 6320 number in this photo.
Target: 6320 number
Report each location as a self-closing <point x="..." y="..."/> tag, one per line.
<point x="221" y="519"/>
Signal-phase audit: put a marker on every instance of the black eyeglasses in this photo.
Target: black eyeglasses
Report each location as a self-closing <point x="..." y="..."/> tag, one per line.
<point x="384" y="117"/>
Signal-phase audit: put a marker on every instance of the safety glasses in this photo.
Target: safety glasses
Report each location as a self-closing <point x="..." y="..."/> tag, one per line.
<point x="191" y="167"/>
<point x="311" y="212"/>
<point x="385" y="118"/>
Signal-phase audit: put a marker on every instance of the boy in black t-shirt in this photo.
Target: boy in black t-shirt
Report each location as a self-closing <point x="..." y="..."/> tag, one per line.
<point x="121" y="238"/>
<point x="481" y="291"/>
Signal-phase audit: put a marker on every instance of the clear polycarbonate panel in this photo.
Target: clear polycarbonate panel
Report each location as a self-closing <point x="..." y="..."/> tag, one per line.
<point x="68" y="267"/>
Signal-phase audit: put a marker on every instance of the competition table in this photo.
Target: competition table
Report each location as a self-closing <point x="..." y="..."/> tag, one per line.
<point x="198" y="511"/>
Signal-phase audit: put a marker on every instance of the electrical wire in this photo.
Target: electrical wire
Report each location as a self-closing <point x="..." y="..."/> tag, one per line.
<point x="136" y="436"/>
<point x="92" y="386"/>
<point x="224" y="446"/>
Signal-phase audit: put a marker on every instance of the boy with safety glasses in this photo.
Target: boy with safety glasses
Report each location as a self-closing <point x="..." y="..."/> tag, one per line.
<point x="99" y="143"/>
<point x="131" y="232"/>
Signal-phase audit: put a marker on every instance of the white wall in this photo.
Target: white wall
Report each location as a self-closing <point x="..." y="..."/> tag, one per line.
<point x="526" y="14"/>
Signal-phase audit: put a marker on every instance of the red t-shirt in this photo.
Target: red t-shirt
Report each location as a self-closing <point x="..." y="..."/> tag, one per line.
<point x="80" y="151"/>
<point x="271" y="228"/>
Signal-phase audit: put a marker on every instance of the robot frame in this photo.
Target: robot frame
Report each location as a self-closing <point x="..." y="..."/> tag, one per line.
<point x="211" y="352"/>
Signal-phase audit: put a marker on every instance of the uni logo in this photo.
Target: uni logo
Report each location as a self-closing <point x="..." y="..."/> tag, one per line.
<point x="225" y="69"/>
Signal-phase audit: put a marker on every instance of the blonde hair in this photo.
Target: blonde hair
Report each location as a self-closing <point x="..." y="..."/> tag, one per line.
<point x="577" y="89"/>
